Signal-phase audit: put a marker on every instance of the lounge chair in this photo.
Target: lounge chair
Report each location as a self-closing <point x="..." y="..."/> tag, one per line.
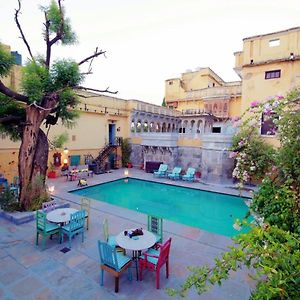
<point x="190" y="175"/>
<point x="162" y="171"/>
<point x="175" y="173"/>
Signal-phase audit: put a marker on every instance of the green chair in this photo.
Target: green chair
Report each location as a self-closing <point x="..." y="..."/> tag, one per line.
<point x="44" y="228"/>
<point x="75" y="226"/>
<point x="85" y="204"/>
<point x="162" y="171"/>
<point x="113" y="262"/>
<point x="175" y="173"/>
<point x="190" y="175"/>
<point x="111" y="239"/>
<point x="155" y="225"/>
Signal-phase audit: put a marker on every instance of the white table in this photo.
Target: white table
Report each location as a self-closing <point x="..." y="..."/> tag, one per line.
<point x="60" y="215"/>
<point x="136" y="243"/>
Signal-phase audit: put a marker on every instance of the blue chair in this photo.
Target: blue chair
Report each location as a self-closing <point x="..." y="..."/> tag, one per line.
<point x="175" y="173"/>
<point x="162" y="171"/>
<point x="44" y="228"/>
<point x="113" y="262"/>
<point x="15" y="186"/>
<point x="76" y="225"/>
<point x="155" y="225"/>
<point x="190" y="175"/>
<point x="111" y="239"/>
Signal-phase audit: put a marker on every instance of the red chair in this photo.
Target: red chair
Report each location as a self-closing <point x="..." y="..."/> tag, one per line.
<point x="153" y="260"/>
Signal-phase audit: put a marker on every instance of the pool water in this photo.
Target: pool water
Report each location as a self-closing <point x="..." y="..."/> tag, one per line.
<point x="209" y="211"/>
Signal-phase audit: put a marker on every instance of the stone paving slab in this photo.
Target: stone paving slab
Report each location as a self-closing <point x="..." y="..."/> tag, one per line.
<point x="27" y="272"/>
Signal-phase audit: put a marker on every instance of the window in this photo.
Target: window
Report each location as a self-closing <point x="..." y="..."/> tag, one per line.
<point x="170" y="82"/>
<point x="274" y="43"/>
<point x="272" y="74"/>
<point x="216" y="130"/>
<point x="268" y="126"/>
<point x="73" y="138"/>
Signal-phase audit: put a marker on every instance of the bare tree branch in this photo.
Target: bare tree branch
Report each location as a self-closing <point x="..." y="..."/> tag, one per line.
<point x="21" y="31"/>
<point x="10" y="93"/>
<point x="95" y="90"/>
<point x="96" y="53"/>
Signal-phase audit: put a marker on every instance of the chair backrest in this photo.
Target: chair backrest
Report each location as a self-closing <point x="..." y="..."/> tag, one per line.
<point x="16" y="181"/>
<point x="155" y="225"/>
<point x="41" y="221"/>
<point x="164" y="252"/>
<point x="105" y="230"/>
<point x="190" y="171"/>
<point x="108" y="255"/>
<point x="49" y="206"/>
<point x="85" y="204"/>
<point x="77" y="220"/>
<point x="176" y="170"/>
<point x="163" y="168"/>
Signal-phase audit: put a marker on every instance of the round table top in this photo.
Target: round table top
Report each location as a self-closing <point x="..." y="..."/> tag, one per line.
<point x="136" y="243"/>
<point x="60" y="215"/>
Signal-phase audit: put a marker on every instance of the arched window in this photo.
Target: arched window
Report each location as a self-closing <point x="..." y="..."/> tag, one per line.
<point x="132" y="126"/>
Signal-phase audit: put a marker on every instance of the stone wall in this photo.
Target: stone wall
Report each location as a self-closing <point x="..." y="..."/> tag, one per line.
<point x="189" y="157"/>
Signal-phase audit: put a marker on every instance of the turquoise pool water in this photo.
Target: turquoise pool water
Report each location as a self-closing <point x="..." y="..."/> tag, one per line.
<point x="210" y="211"/>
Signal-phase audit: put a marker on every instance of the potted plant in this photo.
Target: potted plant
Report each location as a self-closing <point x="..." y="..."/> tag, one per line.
<point x="126" y="152"/>
<point x="52" y="172"/>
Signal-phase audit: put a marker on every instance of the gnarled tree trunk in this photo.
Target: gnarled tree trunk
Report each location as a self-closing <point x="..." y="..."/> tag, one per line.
<point x="33" y="157"/>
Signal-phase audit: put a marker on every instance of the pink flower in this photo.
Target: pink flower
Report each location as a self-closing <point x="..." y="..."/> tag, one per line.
<point x="254" y="104"/>
<point x="233" y="154"/>
<point x="241" y="143"/>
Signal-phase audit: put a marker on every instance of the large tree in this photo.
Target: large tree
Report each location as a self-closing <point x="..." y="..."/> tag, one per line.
<point x="48" y="93"/>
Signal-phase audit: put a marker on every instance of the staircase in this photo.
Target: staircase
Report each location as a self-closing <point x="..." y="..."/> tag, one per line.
<point x="100" y="160"/>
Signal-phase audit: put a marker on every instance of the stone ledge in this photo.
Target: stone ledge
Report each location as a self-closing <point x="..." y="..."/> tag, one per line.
<point x="19" y="218"/>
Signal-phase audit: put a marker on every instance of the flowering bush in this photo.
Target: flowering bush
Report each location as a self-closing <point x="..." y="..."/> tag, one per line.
<point x="271" y="248"/>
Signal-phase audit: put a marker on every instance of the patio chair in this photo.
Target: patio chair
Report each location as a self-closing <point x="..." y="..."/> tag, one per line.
<point x="44" y="228"/>
<point x="155" y="225"/>
<point x="153" y="260"/>
<point x="111" y="239"/>
<point x="190" y="175"/>
<point x="49" y="206"/>
<point x="175" y="173"/>
<point x="162" y="171"/>
<point x="75" y="226"/>
<point x="113" y="262"/>
<point x="15" y="185"/>
<point x="85" y="204"/>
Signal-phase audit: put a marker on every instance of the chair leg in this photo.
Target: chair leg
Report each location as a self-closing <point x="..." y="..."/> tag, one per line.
<point x="167" y="268"/>
<point x="37" y="238"/>
<point x="102" y="277"/>
<point x="70" y="240"/>
<point x="157" y="278"/>
<point x="44" y="242"/>
<point x="117" y="284"/>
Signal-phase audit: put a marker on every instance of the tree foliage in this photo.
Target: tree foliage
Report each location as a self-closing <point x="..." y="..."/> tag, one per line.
<point x="272" y="246"/>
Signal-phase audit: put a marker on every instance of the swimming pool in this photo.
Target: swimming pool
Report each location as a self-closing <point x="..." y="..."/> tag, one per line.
<point x="210" y="211"/>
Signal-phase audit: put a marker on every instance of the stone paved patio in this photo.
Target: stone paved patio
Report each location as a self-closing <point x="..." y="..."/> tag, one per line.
<point x="26" y="272"/>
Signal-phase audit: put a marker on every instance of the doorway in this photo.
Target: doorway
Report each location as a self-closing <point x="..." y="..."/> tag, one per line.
<point x="112" y="134"/>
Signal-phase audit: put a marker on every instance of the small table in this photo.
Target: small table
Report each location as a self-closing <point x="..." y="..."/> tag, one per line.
<point x="136" y="244"/>
<point x="60" y="215"/>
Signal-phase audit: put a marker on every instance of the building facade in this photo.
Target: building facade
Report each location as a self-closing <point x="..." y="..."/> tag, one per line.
<point x="194" y="130"/>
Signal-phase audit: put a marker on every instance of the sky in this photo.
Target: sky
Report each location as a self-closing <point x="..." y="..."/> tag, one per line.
<point x="150" y="41"/>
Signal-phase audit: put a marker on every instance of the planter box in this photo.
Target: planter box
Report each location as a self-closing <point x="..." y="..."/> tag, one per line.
<point x="52" y="174"/>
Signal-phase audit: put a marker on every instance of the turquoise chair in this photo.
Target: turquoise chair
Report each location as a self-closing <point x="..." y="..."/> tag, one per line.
<point x="15" y="186"/>
<point x="111" y="239"/>
<point x="162" y="171"/>
<point x="175" y="173"/>
<point x="113" y="262"/>
<point x="75" y="226"/>
<point x="190" y="175"/>
<point x="155" y="225"/>
<point x="44" y="228"/>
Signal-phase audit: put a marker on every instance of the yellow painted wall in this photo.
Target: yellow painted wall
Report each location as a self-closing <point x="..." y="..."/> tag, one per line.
<point x="182" y="142"/>
<point x="235" y="107"/>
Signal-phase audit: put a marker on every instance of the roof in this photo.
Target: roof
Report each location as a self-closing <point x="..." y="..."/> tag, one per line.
<point x="272" y="33"/>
